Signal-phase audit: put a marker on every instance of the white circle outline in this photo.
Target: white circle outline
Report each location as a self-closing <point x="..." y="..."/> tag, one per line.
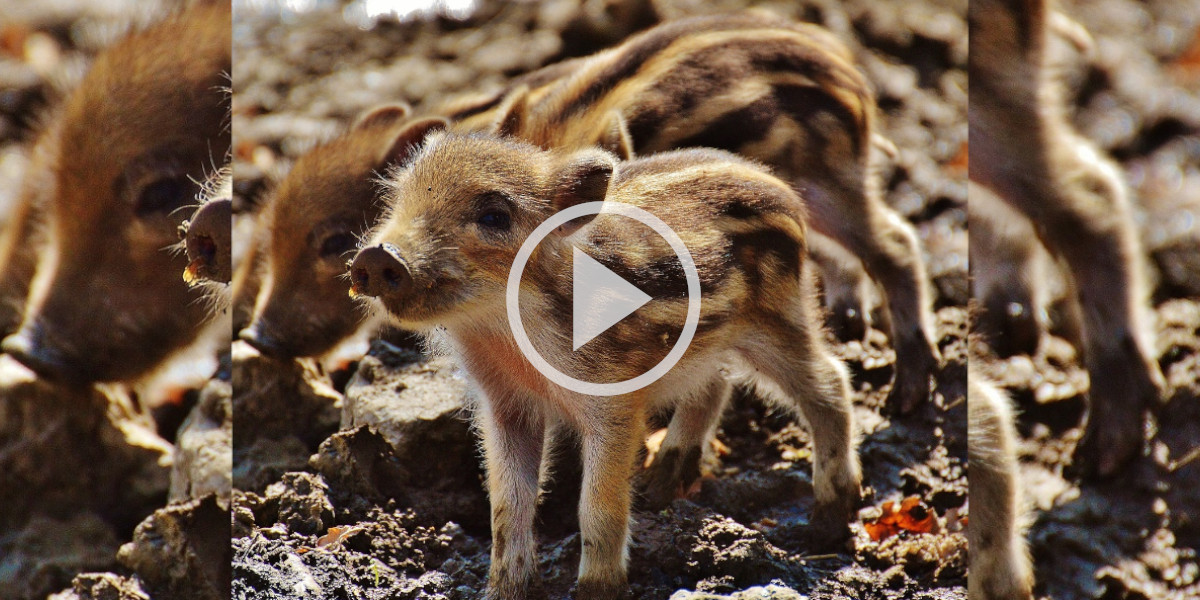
<point x="512" y="299"/>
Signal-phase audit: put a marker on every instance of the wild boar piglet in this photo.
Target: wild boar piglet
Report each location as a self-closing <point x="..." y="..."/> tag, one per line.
<point x="783" y="93"/>
<point x="1024" y="149"/>
<point x="309" y="229"/>
<point x="440" y="259"/>
<point x="126" y="153"/>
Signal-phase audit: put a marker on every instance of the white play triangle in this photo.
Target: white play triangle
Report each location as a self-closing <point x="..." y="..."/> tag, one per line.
<point x="600" y="298"/>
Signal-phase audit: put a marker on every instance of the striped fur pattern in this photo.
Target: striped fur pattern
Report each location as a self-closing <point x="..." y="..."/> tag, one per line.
<point x="1024" y="149"/>
<point x="118" y="162"/>
<point x="785" y="94"/>
<point x="746" y="231"/>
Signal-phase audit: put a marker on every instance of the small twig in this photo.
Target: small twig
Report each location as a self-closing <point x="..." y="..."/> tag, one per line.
<point x="1188" y="458"/>
<point x="819" y="557"/>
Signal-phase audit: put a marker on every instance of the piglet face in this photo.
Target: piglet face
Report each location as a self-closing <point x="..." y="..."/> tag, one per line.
<point x="107" y="302"/>
<point x="458" y="216"/>
<point x="314" y="223"/>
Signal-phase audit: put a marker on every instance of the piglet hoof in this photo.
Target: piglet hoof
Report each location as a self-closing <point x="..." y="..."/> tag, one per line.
<point x="508" y="589"/>
<point x="1002" y="582"/>
<point x="588" y="589"/>
<point x="1120" y="395"/>
<point x="829" y="527"/>
<point x="826" y="535"/>
<point x="1010" y="327"/>
<point x="672" y="472"/>
<point x="910" y="389"/>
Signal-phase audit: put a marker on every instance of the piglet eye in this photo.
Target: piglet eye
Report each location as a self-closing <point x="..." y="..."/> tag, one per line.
<point x="164" y="195"/>
<point x="337" y="245"/>
<point x="494" y="219"/>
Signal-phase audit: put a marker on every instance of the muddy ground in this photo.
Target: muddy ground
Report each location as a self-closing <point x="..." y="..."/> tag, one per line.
<point x="397" y="509"/>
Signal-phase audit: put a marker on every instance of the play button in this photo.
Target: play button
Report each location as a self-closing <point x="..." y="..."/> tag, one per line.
<point x="600" y="298"/>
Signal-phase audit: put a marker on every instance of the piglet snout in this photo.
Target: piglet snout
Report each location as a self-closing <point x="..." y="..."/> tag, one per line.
<point x="208" y="241"/>
<point x="28" y="347"/>
<point x="377" y="271"/>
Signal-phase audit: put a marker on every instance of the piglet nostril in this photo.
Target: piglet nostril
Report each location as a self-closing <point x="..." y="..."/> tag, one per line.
<point x="378" y="270"/>
<point x="392" y="277"/>
<point x="207" y="241"/>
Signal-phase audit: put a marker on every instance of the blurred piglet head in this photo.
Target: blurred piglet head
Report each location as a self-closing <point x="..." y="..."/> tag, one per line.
<point x="312" y="226"/>
<point x="130" y="148"/>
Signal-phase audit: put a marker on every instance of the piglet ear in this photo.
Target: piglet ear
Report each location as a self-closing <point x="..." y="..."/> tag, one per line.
<point x="583" y="177"/>
<point x="512" y="112"/>
<point x="408" y="139"/>
<point x="387" y="115"/>
<point x="616" y="137"/>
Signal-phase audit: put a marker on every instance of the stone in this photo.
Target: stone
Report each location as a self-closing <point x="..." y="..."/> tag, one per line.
<point x="203" y="457"/>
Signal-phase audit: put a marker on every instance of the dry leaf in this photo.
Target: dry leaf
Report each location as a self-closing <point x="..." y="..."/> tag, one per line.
<point x="1190" y="59"/>
<point x="335" y="535"/>
<point x="912" y="516"/>
<point x="961" y="160"/>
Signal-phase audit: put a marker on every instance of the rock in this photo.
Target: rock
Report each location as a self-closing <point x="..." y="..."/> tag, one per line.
<point x="106" y="456"/>
<point x="440" y="486"/>
<point x="770" y="592"/>
<point x="182" y="551"/>
<point x="102" y="586"/>
<point x="275" y="399"/>
<point x="414" y="404"/>
<point x="729" y="552"/>
<point x="46" y="553"/>
<point x="262" y="462"/>
<point x="413" y="441"/>
<point x="204" y="447"/>
<point x="303" y="502"/>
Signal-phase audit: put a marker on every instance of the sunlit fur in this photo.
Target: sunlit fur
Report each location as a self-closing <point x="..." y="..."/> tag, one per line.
<point x="746" y="231"/>
<point x="1000" y="563"/>
<point x="783" y="93"/>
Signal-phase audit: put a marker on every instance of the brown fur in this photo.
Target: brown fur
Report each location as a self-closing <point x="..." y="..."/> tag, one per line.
<point x="107" y="302"/>
<point x="1000" y="564"/>
<point x="300" y="305"/>
<point x="785" y="94"/>
<point x="312" y="227"/>
<point x="1024" y="149"/>
<point x="1008" y="269"/>
<point x="434" y="262"/>
<point x="20" y="239"/>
